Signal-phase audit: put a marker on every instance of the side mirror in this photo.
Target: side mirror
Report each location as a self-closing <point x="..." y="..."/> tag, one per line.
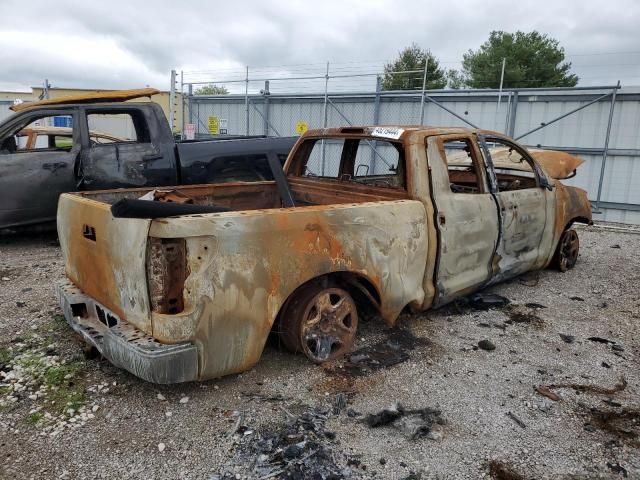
<point x="545" y="183"/>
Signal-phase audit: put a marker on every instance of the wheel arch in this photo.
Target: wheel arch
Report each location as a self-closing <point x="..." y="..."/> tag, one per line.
<point x="361" y="288"/>
<point x="578" y="219"/>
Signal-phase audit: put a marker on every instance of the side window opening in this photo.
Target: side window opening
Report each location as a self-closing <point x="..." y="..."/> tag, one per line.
<point x="357" y="160"/>
<point x="40" y="133"/>
<point x="511" y="165"/>
<point x="241" y="168"/>
<point x="117" y="127"/>
<point x="462" y="166"/>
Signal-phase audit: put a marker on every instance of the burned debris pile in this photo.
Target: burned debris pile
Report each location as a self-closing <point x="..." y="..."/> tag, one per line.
<point x="394" y="349"/>
<point x="303" y="448"/>
<point x="414" y="424"/>
<point x="299" y="449"/>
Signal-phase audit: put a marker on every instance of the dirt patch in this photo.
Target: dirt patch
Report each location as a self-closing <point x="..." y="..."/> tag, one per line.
<point x="502" y="471"/>
<point x="526" y="318"/>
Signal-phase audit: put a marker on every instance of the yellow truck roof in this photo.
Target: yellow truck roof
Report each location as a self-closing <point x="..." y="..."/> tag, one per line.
<point x="90" y="97"/>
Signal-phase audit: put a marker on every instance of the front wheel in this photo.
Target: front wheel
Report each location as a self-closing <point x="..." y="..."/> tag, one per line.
<point x="321" y="322"/>
<point x="567" y="251"/>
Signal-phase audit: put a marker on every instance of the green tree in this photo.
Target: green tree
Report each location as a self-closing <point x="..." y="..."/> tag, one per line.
<point x="413" y="58"/>
<point x="211" y="89"/>
<point x="532" y="60"/>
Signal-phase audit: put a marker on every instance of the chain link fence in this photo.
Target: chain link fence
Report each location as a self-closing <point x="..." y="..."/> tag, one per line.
<point x="599" y="123"/>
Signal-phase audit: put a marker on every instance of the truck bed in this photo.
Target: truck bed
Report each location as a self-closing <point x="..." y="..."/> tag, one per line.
<point x="239" y="196"/>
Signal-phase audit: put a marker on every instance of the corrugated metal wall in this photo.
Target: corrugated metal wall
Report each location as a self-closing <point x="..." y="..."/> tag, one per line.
<point x="582" y="133"/>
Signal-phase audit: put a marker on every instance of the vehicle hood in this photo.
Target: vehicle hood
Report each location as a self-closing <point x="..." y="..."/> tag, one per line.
<point x="556" y="164"/>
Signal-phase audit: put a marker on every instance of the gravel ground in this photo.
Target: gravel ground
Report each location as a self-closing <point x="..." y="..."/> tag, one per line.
<point x="105" y="423"/>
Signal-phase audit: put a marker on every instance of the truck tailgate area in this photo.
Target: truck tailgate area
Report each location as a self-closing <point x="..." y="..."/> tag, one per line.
<point x="105" y="257"/>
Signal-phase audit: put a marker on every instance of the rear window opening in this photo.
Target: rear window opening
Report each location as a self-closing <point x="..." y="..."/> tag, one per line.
<point x="364" y="161"/>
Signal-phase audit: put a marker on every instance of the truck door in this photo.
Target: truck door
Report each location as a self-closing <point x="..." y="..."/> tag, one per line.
<point x="525" y="199"/>
<point x="37" y="162"/>
<point x="466" y="215"/>
<point x="118" y="151"/>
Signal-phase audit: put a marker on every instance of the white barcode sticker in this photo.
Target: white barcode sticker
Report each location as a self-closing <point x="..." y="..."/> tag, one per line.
<point x="387" y="132"/>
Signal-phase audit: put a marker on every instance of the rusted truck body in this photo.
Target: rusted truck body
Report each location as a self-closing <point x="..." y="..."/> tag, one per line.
<point x="394" y="217"/>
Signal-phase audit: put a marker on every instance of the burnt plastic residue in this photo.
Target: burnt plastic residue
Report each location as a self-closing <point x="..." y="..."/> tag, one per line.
<point x="394" y="349"/>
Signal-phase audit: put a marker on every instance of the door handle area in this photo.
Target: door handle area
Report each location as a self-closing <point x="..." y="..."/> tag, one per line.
<point x="151" y="156"/>
<point x="442" y="219"/>
<point x="54" y="166"/>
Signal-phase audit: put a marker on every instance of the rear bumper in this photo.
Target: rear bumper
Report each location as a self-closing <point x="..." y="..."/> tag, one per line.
<point x="123" y="344"/>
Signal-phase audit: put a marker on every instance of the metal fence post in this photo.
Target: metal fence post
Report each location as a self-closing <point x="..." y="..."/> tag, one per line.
<point x="190" y="94"/>
<point x="376" y="119"/>
<point x="324" y="123"/>
<point x="376" y="102"/>
<point x="198" y="117"/>
<point x="246" y="100"/>
<point x="511" y="130"/>
<point x="424" y="88"/>
<point x="605" y="151"/>
<point x="265" y="116"/>
<point x="506" y="114"/>
<point x="172" y="101"/>
<point x="182" y="122"/>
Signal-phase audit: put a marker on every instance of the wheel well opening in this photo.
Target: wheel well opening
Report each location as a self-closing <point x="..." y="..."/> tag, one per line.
<point x="584" y="220"/>
<point x="363" y="291"/>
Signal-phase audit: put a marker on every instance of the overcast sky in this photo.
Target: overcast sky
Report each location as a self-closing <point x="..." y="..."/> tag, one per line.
<point x="117" y="44"/>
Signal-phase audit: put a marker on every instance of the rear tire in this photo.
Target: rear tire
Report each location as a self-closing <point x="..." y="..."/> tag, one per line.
<point x="567" y="251"/>
<point x="319" y="321"/>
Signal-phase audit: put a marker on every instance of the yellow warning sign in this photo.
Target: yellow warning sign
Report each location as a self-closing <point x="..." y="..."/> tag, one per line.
<point x="214" y="125"/>
<point x="301" y="127"/>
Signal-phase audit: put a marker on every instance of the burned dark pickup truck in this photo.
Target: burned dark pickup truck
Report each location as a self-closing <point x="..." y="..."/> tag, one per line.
<point x="105" y="144"/>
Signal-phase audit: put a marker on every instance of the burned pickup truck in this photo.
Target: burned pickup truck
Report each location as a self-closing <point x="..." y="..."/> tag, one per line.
<point x="393" y="217"/>
<point x="96" y="141"/>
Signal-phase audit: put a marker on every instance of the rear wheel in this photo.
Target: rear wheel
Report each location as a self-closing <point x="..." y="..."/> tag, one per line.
<point x="319" y="321"/>
<point x="567" y="251"/>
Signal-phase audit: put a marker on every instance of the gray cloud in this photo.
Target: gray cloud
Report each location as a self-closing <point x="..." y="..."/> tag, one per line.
<point x="128" y="44"/>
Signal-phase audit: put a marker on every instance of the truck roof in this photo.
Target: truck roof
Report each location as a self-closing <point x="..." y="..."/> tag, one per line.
<point x="388" y="132"/>
<point x="90" y="97"/>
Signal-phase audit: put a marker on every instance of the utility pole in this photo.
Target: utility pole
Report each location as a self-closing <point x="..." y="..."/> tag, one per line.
<point x="45" y="90"/>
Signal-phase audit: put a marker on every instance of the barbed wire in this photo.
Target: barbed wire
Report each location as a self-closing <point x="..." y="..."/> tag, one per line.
<point x="361" y="75"/>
